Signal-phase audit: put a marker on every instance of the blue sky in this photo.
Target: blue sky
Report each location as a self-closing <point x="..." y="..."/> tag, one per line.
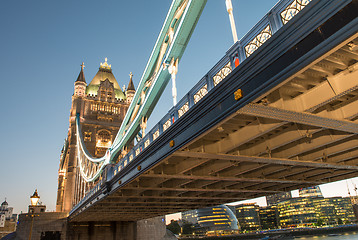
<point x="42" y="45"/>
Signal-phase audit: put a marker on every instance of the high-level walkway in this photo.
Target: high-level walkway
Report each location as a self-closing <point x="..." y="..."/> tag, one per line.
<point x="285" y="118"/>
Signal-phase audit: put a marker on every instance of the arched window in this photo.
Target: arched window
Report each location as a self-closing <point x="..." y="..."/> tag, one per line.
<point x="104" y="139"/>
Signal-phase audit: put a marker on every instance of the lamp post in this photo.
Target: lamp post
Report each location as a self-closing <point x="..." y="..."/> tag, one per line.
<point x="232" y="21"/>
<point x="35" y="198"/>
<point x="34" y="201"/>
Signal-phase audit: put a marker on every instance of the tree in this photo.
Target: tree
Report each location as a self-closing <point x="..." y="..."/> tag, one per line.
<point x="187" y="228"/>
<point x="319" y="222"/>
<point x="339" y="221"/>
<point x="174" y="227"/>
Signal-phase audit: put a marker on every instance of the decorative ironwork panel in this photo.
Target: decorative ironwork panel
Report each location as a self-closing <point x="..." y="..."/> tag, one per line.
<point x="262" y="37"/>
<point x="219" y="76"/>
<point x="155" y="134"/>
<point x="146" y="143"/>
<point x="200" y="94"/>
<point x="291" y="10"/>
<point x="183" y="109"/>
<point x="166" y="125"/>
<point x="137" y="151"/>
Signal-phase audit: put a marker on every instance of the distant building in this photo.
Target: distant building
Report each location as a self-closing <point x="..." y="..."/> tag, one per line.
<point x="7" y="219"/>
<point x="6" y="210"/>
<point x="325" y="210"/>
<point x="278" y="197"/>
<point x="308" y="211"/>
<point x="248" y="216"/>
<point x="310" y="192"/>
<point x="268" y="217"/>
<point x="190" y="216"/>
<point x="354" y="200"/>
<point x="232" y="208"/>
<point x="218" y="219"/>
<point x="344" y="209"/>
<point x="296" y="212"/>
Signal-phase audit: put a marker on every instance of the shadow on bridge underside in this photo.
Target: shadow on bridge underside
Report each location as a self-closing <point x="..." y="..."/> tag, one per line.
<point x="298" y="129"/>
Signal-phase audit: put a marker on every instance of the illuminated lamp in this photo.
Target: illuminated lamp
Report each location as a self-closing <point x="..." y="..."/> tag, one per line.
<point x="35" y="198"/>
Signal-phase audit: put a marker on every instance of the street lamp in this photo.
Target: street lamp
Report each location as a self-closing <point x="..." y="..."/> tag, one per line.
<point x="34" y="208"/>
<point x="35" y="198"/>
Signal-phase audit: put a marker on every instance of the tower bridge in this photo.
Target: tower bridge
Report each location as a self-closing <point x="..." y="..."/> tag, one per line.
<point x="278" y="112"/>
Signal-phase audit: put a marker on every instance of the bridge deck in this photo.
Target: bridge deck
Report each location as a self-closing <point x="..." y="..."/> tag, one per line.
<point x="295" y="126"/>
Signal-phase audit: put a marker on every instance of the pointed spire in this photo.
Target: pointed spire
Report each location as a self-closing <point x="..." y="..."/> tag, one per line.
<point x="81" y="76"/>
<point x="130" y="84"/>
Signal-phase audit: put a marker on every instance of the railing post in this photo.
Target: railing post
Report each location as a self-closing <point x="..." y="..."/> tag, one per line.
<point x="275" y="21"/>
<point x="236" y="51"/>
<point x="190" y="99"/>
<point x="209" y="82"/>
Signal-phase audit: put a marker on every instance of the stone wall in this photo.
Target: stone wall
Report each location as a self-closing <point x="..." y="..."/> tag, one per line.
<point x="45" y="225"/>
<point x="41" y="224"/>
<point x="153" y="228"/>
<point x="10" y="226"/>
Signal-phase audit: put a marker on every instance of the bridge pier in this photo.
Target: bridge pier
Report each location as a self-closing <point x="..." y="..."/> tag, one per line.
<point x="102" y="230"/>
<point x="148" y="229"/>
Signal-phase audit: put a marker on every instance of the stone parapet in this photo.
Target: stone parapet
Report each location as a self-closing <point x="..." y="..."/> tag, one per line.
<point x="42" y="224"/>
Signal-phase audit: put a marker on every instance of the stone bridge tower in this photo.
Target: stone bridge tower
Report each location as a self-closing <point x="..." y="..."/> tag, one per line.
<point x="102" y="105"/>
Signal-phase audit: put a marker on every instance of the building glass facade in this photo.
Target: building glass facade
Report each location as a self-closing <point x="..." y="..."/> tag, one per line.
<point x="308" y="211"/>
<point x="248" y="216"/>
<point x="344" y="209"/>
<point x="268" y="217"/>
<point x="310" y="192"/>
<point x="212" y="220"/>
<point x="296" y="212"/>
<point x="278" y="197"/>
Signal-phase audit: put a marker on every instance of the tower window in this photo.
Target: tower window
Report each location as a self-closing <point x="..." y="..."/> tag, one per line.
<point x="88" y="136"/>
<point x="103" y="94"/>
<point x="104" y="139"/>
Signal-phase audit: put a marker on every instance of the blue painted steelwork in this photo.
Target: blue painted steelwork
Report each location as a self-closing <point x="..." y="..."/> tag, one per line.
<point x="254" y="80"/>
<point x="147" y="96"/>
<point x="272" y="19"/>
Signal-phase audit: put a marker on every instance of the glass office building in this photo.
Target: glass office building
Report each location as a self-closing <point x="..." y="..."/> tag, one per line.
<point x="310" y="192"/>
<point x="268" y="217"/>
<point x="212" y="220"/>
<point x="248" y="216"/>
<point x="309" y="211"/>
<point x="278" y="197"/>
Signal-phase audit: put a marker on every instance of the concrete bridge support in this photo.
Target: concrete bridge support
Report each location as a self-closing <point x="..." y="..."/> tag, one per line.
<point x="55" y="226"/>
<point x="148" y="229"/>
<point x="102" y="230"/>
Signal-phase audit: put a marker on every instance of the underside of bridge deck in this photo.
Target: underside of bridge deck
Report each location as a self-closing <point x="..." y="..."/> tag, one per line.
<point x="300" y="133"/>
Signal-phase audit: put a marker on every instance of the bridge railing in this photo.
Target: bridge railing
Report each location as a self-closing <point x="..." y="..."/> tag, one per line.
<point x="89" y="193"/>
<point x="277" y="17"/>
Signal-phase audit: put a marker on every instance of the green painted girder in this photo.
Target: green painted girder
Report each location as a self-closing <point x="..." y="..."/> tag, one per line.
<point x="184" y="27"/>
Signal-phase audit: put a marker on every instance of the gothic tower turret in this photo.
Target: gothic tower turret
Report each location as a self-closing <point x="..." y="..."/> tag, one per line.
<point x="80" y="84"/>
<point x="130" y="89"/>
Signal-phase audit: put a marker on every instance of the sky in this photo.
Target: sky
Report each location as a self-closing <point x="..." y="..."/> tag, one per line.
<point x="42" y="46"/>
